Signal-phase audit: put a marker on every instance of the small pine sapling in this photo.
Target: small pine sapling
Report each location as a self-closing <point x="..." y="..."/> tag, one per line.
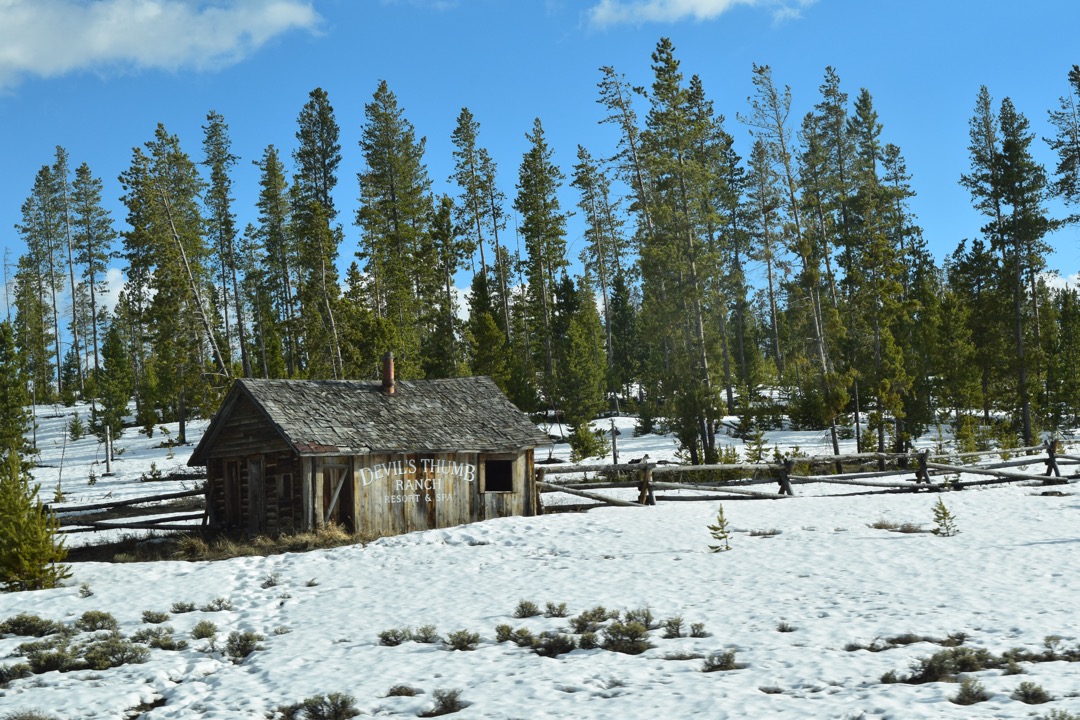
<point x="720" y="532"/>
<point x="755" y="445"/>
<point x="944" y="520"/>
<point x="76" y="427"/>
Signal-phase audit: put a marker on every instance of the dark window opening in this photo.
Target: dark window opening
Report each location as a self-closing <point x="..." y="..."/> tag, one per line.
<point x="499" y="476"/>
<point x="284" y="486"/>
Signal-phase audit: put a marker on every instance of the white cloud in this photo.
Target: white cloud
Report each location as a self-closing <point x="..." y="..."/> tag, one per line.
<point x="1060" y="283"/>
<point x="48" y="38"/>
<point x="636" y="12"/>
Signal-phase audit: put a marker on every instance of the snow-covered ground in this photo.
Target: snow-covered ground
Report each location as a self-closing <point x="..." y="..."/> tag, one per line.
<point x="810" y="565"/>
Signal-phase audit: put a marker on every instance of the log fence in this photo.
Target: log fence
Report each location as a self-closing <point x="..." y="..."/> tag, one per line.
<point x="68" y="515"/>
<point x="914" y="472"/>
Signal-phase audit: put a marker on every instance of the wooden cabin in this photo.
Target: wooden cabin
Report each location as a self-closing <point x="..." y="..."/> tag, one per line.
<point x="384" y="458"/>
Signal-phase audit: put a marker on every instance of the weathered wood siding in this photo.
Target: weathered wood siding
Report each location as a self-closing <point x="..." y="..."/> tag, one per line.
<point x="276" y="500"/>
<point x="273" y="503"/>
<point x="247" y="433"/>
<point x="402" y="493"/>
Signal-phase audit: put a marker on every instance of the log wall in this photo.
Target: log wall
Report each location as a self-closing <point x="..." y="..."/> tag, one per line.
<point x="380" y="494"/>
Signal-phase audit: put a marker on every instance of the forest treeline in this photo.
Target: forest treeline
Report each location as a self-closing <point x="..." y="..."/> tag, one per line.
<point x="853" y="323"/>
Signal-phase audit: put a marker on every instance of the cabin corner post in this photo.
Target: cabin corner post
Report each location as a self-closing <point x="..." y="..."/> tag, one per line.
<point x="307" y="470"/>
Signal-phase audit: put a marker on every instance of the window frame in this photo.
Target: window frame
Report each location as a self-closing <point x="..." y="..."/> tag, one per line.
<point x="506" y="488"/>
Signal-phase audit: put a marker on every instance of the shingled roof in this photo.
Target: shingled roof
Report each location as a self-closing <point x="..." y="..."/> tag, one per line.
<point x="346" y="417"/>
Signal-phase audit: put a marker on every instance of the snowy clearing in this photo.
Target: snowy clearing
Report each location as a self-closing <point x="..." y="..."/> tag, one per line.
<point x="1008" y="580"/>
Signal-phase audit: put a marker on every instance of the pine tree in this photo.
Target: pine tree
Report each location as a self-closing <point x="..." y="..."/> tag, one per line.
<point x="583" y="374"/>
<point x="92" y="236"/>
<point x="14" y="398"/>
<point x="944" y="520"/>
<point x="394" y="216"/>
<point x="221" y="226"/>
<point x="1024" y="192"/>
<point x="543" y="228"/>
<point x="1010" y="188"/>
<point x="61" y="177"/>
<point x="364" y="337"/>
<point x="33" y="331"/>
<point x="40" y="282"/>
<point x="679" y="144"/>
<point x="1066" y="143"/>
<point x="30" y="554"/>
<point x="115" y="385"/>
<point x="838" y="181"/>
<point x="316" y="234"/>
<point x="31" y="551"/>
<point x="876" y="300"/>
<point x="318" y="294"/>
<point x="617" y="97"/>
<point x="167" y="283"/>
<point x="768" y="120"/>
<point x="272" y="267"/>
<point x="956" y="357"/>
<point x="488" y="352"/>
<point x="1063" y="376"/>
<point x="625" y="344"/>
<point x="471" y="211"/>
<point x="973" y="274"/>
<point x="764" y="204"/>
<point x="442" y="352"/>
<point x="604" y="254"/>
<point x="720" y="532"/>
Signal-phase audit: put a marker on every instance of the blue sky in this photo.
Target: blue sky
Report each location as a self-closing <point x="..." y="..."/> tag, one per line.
<point x="96" y="76"/>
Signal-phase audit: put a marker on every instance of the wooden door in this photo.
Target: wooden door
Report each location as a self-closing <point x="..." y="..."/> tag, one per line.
<point x="231" y="490"/>
<point x="256" y="496"/>
<point x="337" y="496"/>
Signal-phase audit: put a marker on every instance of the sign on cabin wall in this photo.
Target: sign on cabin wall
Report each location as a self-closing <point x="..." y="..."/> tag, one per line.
<point x="415" y="479"/>
<point x="402" y="492"/>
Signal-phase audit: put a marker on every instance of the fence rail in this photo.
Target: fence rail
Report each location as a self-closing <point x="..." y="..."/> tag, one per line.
<point x="914" y="472"/>
<point x="68" y="515"/>
<point x="162" y="523"/>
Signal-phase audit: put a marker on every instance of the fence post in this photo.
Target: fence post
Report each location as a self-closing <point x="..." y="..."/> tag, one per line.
<point x="645" y="490"/>
<point x="614" y="443"/>
<point x="922" y="474"/>
<point x="785" y="477"/>
<point x="1051" y="459"/>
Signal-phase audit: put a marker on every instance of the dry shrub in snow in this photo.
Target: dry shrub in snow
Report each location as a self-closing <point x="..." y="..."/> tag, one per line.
<point x="719" y="661"/>
<point x="526" y="609"/>
<point x="1031" y="694"/>
<point x="241" y="644"/>
<point x="462" y="640"/>
<point x="446" y="701"/>
<point x="971" y="692"/>
<point x="630" y="638"/>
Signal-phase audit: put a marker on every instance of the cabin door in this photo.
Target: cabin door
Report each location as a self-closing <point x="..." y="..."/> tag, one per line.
<point x="337" y="493"/>
<point x="256" y="496"/>
<point x="232" y="493"/>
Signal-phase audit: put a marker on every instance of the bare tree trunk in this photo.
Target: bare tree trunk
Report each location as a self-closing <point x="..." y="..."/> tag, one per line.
<point x="195" y="289"/>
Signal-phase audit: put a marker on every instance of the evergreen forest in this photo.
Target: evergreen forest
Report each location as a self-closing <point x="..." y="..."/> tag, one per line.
<point x="852" y="327"/>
